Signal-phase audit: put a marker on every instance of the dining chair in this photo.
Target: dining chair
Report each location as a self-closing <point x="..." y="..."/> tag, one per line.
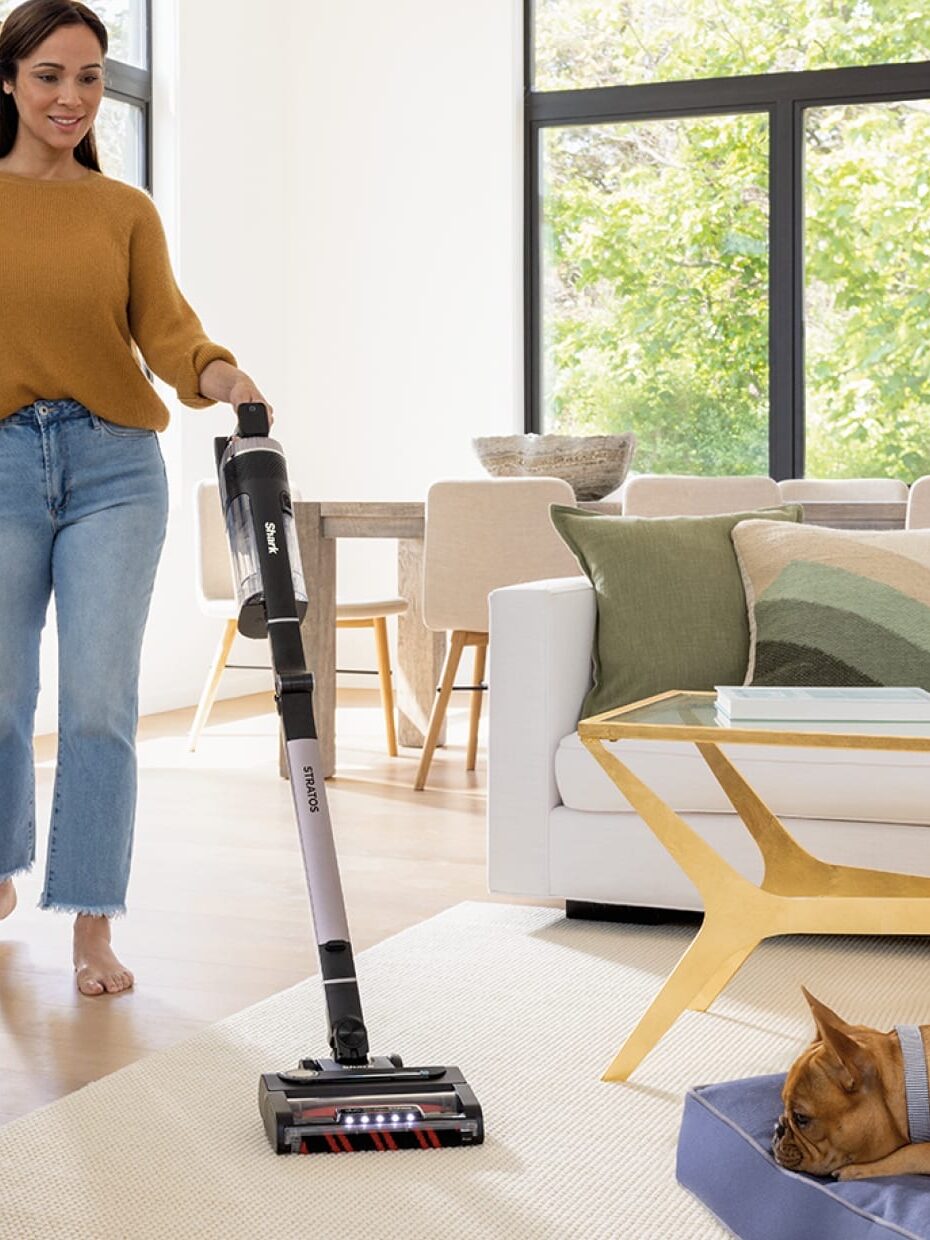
<point x="918" y="505"/>
<point x="216" y="597"/>
<point x="693" y="495"/>
<point x="480" y="535"/>
<point x="797" y="490"/>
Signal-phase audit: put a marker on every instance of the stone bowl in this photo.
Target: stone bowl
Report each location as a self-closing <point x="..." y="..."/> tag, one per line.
<point x="594" y="465"/>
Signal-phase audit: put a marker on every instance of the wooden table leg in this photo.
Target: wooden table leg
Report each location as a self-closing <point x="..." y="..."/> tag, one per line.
<point x="420" y="651"/>
<point x="318" y="630"/>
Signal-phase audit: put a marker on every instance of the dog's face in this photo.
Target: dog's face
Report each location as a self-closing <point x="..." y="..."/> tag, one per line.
<point x="835" y="1109"/>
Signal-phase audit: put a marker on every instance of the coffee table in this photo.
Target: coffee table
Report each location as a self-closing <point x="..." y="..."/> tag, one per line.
<point x="799" y="894"/>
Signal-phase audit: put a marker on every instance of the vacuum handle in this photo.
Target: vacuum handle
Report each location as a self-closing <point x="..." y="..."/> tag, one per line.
<point x="253" y="420"/>
<point x="252" y="424"/>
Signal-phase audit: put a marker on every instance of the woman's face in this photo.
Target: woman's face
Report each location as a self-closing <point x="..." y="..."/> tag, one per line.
<point x="58" y="88"/>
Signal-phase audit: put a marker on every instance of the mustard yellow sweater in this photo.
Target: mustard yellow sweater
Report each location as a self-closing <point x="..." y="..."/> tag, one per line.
<point x="85" y="277"/>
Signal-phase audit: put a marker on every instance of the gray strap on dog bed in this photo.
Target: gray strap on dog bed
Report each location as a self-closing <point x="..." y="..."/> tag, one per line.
<point x="916" y="1087"/>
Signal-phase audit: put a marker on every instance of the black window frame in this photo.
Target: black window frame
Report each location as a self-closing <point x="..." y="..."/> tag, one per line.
<point x="128" y="83"/>
<point x="784" y="97"/>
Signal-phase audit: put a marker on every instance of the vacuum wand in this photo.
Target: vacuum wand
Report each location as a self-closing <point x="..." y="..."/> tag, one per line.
<point x="255" y="495"/>
<point x="348" y="1099"/>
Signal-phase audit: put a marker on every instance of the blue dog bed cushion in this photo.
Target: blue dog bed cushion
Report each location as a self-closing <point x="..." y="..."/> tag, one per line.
<point x="725" y="1160"/>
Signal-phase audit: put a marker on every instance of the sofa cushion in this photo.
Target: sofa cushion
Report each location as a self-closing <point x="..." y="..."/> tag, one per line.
<point x="835" y="607"/>
<point x="671" y="613"/>
<point x="861" y="785"/>
<point x="616" y="859"/>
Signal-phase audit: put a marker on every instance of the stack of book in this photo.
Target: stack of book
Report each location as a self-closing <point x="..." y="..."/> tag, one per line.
<point x="745" y="703"/>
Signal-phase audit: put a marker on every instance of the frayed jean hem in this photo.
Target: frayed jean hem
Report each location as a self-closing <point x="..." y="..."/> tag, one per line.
<point x="23" y="869"/>
<point x="106" y="910"/>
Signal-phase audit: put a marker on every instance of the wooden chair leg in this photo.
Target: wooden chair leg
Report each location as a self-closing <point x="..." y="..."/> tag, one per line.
<point x="208" y="696"/>
<point x="481" y="651"/>
<point x="438" y="713"/>
<point x="384" y="680"/>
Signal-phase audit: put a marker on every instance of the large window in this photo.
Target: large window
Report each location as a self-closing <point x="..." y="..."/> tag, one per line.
<point x="123" y="126"/>
<point x="728" y="232"/>
<point x="867" y="288"/>
<point x="582" y="43"/>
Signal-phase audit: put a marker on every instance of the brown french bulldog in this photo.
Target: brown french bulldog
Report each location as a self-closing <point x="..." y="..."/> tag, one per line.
<point x="845" y="1109"/>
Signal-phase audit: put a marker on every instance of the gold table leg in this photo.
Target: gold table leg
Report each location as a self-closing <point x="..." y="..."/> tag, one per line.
<point x="709" y="992"/>
<point x="799" y="894"/>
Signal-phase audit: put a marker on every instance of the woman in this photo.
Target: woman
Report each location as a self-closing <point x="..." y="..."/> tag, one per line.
<point x="84" y="278"/>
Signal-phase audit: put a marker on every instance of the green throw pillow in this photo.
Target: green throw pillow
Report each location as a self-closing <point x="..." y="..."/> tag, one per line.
<point x="671" y="613"/>
<point x="836" y="607"/>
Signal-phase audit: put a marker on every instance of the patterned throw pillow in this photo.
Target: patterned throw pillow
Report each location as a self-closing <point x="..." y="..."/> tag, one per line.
<point x="835" y="607"/>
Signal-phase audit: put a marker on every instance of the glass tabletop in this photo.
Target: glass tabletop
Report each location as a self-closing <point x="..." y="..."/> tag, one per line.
<point x="694" y="716"/>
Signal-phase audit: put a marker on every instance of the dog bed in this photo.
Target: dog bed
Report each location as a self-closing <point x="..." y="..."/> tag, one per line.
<point x="725" y="1160"/>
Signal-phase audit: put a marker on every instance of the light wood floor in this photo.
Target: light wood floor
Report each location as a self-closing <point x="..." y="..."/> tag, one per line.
<point x="219" y="915"/>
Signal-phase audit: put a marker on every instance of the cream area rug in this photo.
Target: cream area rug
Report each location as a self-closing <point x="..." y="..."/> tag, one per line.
<point x="531" y="1007"/>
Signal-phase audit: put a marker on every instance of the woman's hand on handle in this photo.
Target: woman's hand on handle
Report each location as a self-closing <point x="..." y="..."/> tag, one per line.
<point x="220" y="381"/>
<point x="246" y="392"/>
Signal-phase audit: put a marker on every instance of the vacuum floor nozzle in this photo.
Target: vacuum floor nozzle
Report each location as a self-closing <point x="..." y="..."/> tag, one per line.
<point x="332" y="1109"/>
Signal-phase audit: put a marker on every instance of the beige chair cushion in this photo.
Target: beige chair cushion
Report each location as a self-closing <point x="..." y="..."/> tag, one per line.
<point x="213" y="571"/>
<point x="918" y="505"/>
<point x="840" y="489"/>
<point x="220" y="608"/>
<point x="686" y="495"/>
<point x="484" y="534"/>
<point x="371" y="609"/>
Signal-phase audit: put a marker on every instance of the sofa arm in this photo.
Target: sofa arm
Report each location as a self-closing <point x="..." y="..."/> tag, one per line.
<point x="541" y="635"/>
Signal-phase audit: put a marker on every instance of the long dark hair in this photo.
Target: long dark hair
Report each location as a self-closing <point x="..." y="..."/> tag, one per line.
<point x="26" y="27"/>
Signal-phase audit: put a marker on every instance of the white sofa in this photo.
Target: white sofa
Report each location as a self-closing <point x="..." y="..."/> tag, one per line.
<point x="558" y="828"/>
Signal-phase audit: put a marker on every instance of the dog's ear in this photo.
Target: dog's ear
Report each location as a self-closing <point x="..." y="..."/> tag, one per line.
<point x="849" y="1062"/>
<point x="822" y="1014"/>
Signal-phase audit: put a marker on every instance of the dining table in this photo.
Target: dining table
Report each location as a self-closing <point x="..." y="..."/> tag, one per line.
<point x="420" y="651"/>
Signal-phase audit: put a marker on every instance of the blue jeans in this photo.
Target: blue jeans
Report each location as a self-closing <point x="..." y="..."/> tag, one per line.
<point x="83" y="511"/>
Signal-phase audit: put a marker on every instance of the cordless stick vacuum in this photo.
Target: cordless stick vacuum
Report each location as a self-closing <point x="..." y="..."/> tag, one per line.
<point x="347" y="1100"/>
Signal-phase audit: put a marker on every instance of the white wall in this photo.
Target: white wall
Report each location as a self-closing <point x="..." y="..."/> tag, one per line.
<point x="342" y="187"/>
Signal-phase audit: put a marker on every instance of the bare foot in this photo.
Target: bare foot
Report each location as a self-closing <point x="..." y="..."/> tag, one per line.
<point x="7" y="898"/>
<point x="97" y="968"/>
